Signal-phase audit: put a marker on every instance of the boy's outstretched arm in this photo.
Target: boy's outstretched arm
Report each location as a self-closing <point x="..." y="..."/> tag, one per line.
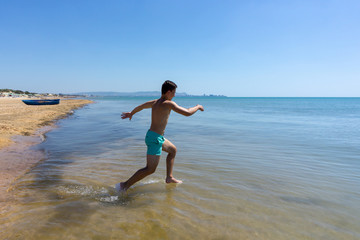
<point x="185" y="111"/>
<point x="129" y="115"/>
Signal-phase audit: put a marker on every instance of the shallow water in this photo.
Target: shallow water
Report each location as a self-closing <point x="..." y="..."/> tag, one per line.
<point x="253" y="168"/>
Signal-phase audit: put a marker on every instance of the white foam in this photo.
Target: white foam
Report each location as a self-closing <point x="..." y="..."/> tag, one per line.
<point x="109" y="199"/>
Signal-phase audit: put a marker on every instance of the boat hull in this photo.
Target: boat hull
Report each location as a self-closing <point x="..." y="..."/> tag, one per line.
<point x="42" y="102"/>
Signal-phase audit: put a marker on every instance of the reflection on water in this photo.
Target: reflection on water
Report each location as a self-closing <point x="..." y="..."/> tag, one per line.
<point x="252" y="177"/>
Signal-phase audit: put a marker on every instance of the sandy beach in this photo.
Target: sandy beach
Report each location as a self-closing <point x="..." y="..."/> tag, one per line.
<point x="16" y="118"/>
<point x="22" y="126"/>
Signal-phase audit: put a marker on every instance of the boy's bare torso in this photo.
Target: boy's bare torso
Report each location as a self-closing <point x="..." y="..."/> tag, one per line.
<point x="159" y="115"/>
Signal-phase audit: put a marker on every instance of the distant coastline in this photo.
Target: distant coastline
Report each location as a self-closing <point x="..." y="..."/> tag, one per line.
<point x="137" y="94"/>
<point x="11" y="93"/>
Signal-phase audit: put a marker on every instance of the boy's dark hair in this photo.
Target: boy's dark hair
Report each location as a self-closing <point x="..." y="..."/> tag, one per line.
<point x="168" y="85"/>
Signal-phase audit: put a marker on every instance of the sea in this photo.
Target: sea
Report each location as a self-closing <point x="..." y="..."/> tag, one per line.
<point x="252" y="168"/>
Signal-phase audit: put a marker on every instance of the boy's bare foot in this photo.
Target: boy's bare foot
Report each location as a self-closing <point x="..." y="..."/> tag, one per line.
<point x="172" y="180"/>
<point x="120" y="187"/>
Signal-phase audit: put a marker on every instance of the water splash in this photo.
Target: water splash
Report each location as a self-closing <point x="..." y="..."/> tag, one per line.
<point x="109" y="199"/>
<point x="96" y="193"/>
<point x="151" y="181"/>
<point x="81" y="190"/>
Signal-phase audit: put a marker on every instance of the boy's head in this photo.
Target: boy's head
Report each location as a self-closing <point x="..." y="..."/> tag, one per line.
<point x="168" y="86"/>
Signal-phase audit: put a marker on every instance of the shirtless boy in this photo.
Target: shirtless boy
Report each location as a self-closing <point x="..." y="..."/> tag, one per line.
<point x="154" y="139"/>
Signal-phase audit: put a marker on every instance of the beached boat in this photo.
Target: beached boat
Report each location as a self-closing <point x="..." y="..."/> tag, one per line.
<point x="42" y="102"/>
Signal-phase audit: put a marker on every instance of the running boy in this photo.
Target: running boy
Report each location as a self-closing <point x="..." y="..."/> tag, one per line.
<point x="154" y="139"/>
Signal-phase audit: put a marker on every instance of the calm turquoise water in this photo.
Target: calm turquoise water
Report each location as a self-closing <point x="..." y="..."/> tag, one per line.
<point x="253" y="168"/>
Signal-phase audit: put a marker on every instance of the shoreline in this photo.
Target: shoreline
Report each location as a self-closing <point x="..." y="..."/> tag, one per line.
<point x="16" y="118"/>
<point x="21" y="128"/>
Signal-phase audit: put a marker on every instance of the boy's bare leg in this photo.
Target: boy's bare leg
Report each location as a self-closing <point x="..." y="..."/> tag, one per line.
<point x="152" y="162"/>
<point x="170" y="159"/>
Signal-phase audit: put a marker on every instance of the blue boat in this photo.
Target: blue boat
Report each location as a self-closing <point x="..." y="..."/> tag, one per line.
<point x="42" y="102"/>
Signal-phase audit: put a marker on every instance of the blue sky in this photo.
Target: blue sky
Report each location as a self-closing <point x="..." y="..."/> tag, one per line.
<point x="235" y="48"/>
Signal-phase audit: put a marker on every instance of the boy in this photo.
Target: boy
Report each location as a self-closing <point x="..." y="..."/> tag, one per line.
<point x="154" y="139"/>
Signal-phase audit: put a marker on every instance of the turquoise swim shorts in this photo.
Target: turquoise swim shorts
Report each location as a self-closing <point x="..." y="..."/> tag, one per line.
<point x="154" y="142"/>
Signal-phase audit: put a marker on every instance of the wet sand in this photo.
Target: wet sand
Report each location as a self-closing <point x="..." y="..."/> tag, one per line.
<point x="22" y="126"/>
